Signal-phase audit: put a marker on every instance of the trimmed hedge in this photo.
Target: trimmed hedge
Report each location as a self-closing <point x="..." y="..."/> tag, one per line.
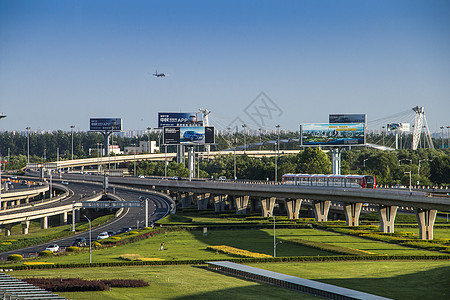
<point x="14" y="257"/>
<point x="239" y="260"/>
<point x="46" y="253"/>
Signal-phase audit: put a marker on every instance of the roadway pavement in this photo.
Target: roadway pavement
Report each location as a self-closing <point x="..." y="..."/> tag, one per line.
<point x="130" y="217"/>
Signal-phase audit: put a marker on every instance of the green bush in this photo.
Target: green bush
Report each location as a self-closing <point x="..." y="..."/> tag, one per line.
<point x="73" y="249"/>
<point x="46" y="253"/>
<point x="14" y="257"/>
<point x="96" y="245"/>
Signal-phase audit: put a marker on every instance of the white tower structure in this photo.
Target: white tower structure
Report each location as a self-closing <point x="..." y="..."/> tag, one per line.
<point x="419" y="121"/>
<point x="205" y="114"/>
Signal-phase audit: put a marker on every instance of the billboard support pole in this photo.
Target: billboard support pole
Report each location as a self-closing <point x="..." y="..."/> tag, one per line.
<point x="336" y="161"/>
<point x="191" y="162"/>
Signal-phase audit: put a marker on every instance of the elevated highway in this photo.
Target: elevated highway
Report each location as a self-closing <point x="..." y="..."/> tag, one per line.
<point x="238" y="194"/>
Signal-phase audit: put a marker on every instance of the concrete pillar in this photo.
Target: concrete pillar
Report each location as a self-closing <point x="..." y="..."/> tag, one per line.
<point x="202" y="201"/>
<point x="321" y="209"/>
<point x="25" y="227"/>
<point x="8" y="229"/>
<point x="63" y="218"/>
<point x="44" y="223"/>
<point x="426" y="218"/>
<point x="241" y="203"/>
<point x="293" y="208"/>
<point x="77" y="215"/>
<point x="219" y="202"/>
<point x="186" y="200"/>
<point x="267" y="205"/>
<point x="387" y="217"/>
<point x="27" y="200"/>
<point x="352" y="212"/>
<point x="5" y="204"/>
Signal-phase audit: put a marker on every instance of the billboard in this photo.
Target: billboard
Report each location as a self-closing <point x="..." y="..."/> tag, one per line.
<point x="404" y="127"/>
<point x="106" y="124"/>
<point x="179" y="119"/>
<point x="332" y="134"/>
<point x="347" y="118"/>
<point x="188" y="135"/>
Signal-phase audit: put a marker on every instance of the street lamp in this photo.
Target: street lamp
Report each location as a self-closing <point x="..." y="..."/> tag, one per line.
<point x="72" y="127"/>
<point x="442" y="128"/>
<point x="364" y="162"/>
<point x="410" y="168"/>
<point x="274" y="235"/>
<point x="90" y="240"/>
<point x="260" y="141"/>
<point x="1" y="117"/>
<point x="245" y="142"/>
<point x="148" y="131"/>
<point x="448" y="137"/>
<point x="278" y="152"/>
<point x="28" y="144"/>
<point x="382" y="133"/>
<point x="134" y="159"/>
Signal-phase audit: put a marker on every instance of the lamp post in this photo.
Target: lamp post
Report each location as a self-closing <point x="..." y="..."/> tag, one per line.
<point x="134" y="159"/>
<point x="364" y="162"/>
<point x="28" y="144"/>
<point x="1" y="117"/>
<point x="90" y="240"/>
<point x="382" y="133"/>
<point x="260" y="141"/>
<point x="72" y="127"/>
<point x="148" y="131"/>
<point x="410" y="168"/>
<point x="274" y="235"/>
<point x="448" y="137"/>
<point x="245" y="142"/>
<point x="278" y="153"/>
<point x="442" y="128"/>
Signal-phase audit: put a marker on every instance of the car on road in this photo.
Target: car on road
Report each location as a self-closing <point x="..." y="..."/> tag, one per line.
<point x="141" y="176"/>
<point x="125" y="229"/>
<point x="53" y="247"/>
<point x="13" y="177"/>
<point x="64" y="182"/>
<point x="103" y="235"/>
<point x="23" y="182"/>
<point x="222" y="178"/>
<point x="176" y="178"/>
<point x="79" y="242"/>
<point x="111" y="233"/>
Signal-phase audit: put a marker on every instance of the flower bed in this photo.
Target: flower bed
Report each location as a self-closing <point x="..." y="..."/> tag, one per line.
<point x="237" y="251"/>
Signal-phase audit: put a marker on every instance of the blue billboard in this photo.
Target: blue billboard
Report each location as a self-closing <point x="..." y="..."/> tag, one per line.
<point x="179" y="119"/>
<point x="188" y="135"/>
<point x="332" y="134"/>
<point x="105" y="124"/>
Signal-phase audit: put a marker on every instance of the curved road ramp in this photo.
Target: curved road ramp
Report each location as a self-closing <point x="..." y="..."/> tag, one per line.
<point x="13" y="288"/>
<point x="320" y="289"/>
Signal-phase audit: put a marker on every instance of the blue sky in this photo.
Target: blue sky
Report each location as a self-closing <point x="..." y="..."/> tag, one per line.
<point x="63" y="62"/>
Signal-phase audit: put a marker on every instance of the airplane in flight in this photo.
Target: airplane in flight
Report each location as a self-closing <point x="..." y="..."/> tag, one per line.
<point x="159" y="75"/>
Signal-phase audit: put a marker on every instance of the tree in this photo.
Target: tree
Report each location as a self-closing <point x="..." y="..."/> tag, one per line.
<point x="313" y="161"/>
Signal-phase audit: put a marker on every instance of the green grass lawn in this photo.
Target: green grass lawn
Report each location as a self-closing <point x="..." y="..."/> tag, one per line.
<point x="168" y="282"/>
<point x="185" y="245"/>
<point x="392" y="279"/>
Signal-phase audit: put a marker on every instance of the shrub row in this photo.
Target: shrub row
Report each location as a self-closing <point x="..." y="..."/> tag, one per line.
<point x="237" y="251"/>
<point x="238" y="260"/>
<point x="80" y="285"/>
<point x="330" y="248"/>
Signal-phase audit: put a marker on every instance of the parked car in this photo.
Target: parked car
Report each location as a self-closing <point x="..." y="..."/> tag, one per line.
<point x="103" y="235"/>
<point x="53" y="247"/>
<point x="79" y="242"/>
<point x="125" y="229"/>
